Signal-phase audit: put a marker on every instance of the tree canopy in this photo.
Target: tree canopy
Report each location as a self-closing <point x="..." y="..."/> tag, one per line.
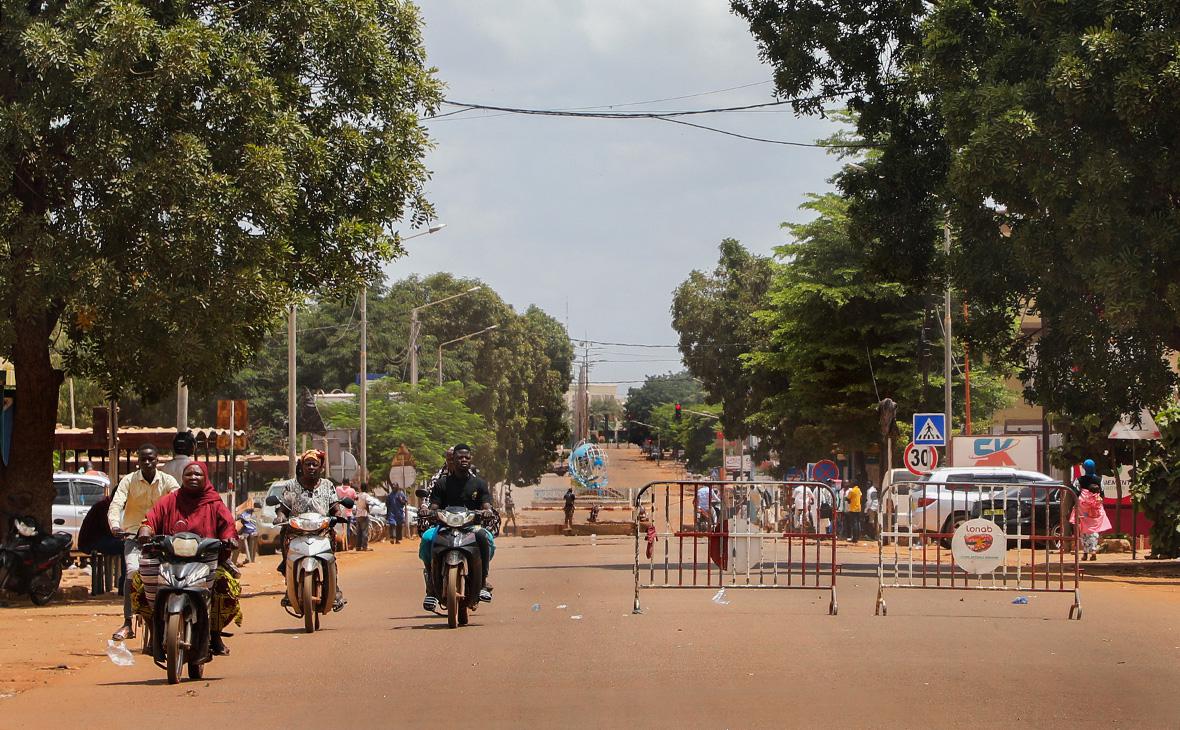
<point x="174" y="174"/>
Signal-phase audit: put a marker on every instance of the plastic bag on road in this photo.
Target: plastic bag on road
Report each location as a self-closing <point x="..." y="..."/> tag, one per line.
<point x="1021" y="601"/>
<point x="118" y="653"/>
<point x="719" y="598"/>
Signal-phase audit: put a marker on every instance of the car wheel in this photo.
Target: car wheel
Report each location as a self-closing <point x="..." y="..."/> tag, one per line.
<point x="952" y="523"/>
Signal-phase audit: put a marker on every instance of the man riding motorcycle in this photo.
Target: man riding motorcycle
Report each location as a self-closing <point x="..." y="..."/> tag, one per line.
<point x="308" y="492"/>
<point x="459" y="486"/>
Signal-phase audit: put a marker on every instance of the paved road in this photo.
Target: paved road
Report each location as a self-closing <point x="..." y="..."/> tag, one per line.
<point x="768" y="659"/>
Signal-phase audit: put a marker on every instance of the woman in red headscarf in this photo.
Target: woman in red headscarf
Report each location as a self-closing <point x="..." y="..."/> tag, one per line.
<point x="197" y="508"/>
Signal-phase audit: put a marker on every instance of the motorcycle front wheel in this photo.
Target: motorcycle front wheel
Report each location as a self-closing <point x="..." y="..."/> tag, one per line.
<point x="174" y="646"/>
<point x="44" y="587"/>
<point x="309" y="604"/>
<point x="454" y="580"/>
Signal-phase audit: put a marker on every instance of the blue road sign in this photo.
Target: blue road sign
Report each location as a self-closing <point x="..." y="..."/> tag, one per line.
<point x="825" y="470"/>
<point x="930" y="429"/>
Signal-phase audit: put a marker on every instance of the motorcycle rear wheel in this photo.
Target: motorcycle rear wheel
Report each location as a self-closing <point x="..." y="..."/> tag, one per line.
<point x="174" y="647"/>
<point x="43" y="588"/>
<point x="309" y="607"/>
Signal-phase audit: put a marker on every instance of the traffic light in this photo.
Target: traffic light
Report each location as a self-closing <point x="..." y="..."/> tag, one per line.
<point x="677" y="411"/>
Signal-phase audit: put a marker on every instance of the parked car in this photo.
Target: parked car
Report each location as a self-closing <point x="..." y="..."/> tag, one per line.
<point x="1016" y="508"/>
<point x="895" y="514"/>
<point x="268" y="534"/>
<point x="945" y="498"/>
<point x="76" y="494"/>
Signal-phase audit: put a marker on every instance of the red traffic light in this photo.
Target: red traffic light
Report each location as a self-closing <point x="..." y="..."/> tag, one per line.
<point x="677" y="411"/>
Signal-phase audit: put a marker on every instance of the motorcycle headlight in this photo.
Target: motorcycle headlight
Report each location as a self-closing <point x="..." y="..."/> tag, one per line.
<point x="24" y="529"/>
<point x="310" y="523"/>
<point x="185" y="547"/>
<point x="456" y="519"/>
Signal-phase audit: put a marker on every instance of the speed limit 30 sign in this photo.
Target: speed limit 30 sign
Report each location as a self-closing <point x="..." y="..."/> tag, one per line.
<point x="920" y="460"/>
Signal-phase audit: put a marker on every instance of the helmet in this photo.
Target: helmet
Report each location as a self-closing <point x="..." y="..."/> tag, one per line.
<point x="1089" y="466"/>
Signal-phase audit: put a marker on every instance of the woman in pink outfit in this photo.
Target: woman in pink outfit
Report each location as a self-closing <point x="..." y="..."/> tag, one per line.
<point x="1089" y="514"/>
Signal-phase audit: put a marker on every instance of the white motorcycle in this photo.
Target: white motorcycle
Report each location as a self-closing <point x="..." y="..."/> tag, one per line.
<point x="310" y="567"/>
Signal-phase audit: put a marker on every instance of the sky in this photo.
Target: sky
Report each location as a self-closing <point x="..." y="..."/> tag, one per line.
<point x="597" y="221"/>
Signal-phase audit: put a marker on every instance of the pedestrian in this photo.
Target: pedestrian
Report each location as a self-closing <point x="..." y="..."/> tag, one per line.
<point x="1089" y="514"/>
<point x="344" y="490"/>
<point x="183" y="446"/>
<point x="361" y="518"/>
<point x="827" y="501"/>
<point x="873" y="502"/>
<point x="395" y="511"/>
<point x="510" y="512"/>
<point x="854" y="512"/>
<point x="135" y="496"/>
<point x="247" y="529"/>
<point x="569" y="508"/>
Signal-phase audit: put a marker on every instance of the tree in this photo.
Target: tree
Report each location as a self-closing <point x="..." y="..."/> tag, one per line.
<point x="694" y="434"/>
<point x="1156" y="488"/>
<point x="1054" y="120"/>
<point x="656" y="390"/>
<point x="840" y="339"/>
<point x="173" y="174"/>
<point x="428" y="420"/>
<point x="713" y="313"/>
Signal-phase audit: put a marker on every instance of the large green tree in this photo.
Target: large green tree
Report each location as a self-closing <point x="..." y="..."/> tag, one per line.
<point x="713" y="314"/>
<point x="1053" y="120"/>
<point x="172" y="174"/>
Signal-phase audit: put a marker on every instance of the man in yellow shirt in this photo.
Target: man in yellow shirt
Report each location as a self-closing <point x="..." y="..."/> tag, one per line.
<point x="135" y="496"/>
<point x="854" y="512"/>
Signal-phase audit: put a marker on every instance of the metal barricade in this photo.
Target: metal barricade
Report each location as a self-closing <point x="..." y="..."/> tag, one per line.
<point x="975" y="536"/>
<point x="720" y="534"/>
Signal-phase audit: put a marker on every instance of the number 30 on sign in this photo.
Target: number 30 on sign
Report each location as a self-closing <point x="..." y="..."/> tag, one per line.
<point x="921" y="460"/>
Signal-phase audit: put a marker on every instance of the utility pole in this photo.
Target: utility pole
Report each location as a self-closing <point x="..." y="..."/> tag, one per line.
<point x="414" y="326"/>
<point x="364" y="463"/>
<point x="181" y="405"/>
<point x="946" y="326"/>
<point x="291" y="429"/>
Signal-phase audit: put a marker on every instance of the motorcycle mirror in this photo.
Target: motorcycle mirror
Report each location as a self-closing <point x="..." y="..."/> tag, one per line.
<point x="59" y="521"/>
<point x="421" y="493"/>
<point x="272" y="501"/>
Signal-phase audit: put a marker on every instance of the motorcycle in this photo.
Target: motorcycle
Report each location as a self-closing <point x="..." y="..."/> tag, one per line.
<point x="456" y="565"/>
<point x="180" y="631"/>
<point x="32" y="562"/>
<point x="310" y="568"/>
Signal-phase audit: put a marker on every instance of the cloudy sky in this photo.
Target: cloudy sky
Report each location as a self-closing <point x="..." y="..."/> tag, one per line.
<point x="597" y="221"/>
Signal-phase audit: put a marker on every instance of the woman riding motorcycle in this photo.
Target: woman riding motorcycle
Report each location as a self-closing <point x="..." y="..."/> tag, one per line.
<point x="197" y="508"/>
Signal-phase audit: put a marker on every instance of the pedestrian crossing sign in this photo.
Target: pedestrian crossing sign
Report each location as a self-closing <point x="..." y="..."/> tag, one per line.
<point x="930" y="429"/>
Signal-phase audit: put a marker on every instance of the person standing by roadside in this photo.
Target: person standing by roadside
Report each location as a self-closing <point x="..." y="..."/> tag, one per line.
<point x="854" y="512"/>
<point x="395" y="512"/>
<point x="569" y="508"/>
<point x="135" y="496"/>
<point x="510" y="512"/>
<point x="873" y="510"/>
<point x="361" y="517"/>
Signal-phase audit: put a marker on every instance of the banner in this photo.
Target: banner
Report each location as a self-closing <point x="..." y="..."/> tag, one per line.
<point x="1016" y="452"/>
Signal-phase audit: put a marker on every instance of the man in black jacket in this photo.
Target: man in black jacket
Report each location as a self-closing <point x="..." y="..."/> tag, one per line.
<point x="460" y="487"/>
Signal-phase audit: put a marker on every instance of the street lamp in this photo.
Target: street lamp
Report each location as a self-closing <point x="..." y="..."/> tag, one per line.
<point x="415" y="329"/>
<point x="364" y="374"/>
<point x="458" y="339"/>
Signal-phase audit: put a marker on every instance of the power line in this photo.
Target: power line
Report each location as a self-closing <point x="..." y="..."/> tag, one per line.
<point x="634" y="344"/>
<point x="668" y="116"/>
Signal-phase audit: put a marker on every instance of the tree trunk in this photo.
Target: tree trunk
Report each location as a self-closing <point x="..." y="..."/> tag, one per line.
<point x="26" y="483"/>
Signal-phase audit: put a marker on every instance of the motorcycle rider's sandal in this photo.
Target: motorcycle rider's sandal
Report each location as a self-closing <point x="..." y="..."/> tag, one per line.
<point x="217" y="647"/>
<point x="430" y="603"/>
<point x="124" y="633"/>
<point x="339" y="604"/>
<point x="485" y="595"/>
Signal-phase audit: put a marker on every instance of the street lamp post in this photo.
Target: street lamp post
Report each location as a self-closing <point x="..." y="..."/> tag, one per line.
<point x="415" y="327"/>
<point x="458" y="339"/>
<point x="364" y="374"/>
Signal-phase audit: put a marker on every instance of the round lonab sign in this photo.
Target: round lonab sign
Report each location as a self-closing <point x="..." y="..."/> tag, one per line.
<point x="979" y="546"/>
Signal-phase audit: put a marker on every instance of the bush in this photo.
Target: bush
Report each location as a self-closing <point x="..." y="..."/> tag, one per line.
<point x="1156" y="488"/>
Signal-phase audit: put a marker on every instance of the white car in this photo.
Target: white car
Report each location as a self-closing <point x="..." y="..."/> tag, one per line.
<point x="943" y="500"/>
<point x="76" y="494"/>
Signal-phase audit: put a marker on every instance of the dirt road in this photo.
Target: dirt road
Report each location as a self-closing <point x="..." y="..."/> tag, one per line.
<point x="768" y="659"/>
